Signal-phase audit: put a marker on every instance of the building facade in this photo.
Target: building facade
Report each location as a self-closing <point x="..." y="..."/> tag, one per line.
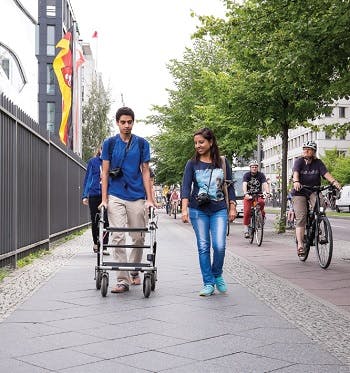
<point x="18" y="64"/>
<point x="272" y="147"/>
<point x="55" y="19"/>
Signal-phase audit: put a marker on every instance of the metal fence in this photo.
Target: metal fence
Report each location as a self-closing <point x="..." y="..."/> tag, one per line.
<point x="40" y="186"/>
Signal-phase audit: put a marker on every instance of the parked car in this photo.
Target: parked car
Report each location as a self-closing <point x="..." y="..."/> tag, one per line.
<point x="343" y="203"/>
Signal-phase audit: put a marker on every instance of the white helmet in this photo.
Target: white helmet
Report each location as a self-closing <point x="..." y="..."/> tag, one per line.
<point x="310" y="144"/>
<point x="253" y="163"/>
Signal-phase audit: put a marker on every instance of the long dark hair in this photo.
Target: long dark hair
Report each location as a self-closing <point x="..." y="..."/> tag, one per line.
<point x="208" y="134"/>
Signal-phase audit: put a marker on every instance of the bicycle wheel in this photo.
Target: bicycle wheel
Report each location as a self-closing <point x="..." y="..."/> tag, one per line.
<point x="252" y="227"/>
<point x="259" y="228"/>
<point x="324" y="242"/>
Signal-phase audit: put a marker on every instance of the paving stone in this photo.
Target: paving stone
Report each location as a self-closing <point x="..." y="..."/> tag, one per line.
<point x="58" y="359"/>
<point x="13" y="365"/>
<point x="62" y="322"/>
<point x="154" y="361"/>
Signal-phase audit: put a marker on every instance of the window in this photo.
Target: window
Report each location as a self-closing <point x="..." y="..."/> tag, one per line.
<point x="341" y="112"/>
<point x="50" y="80"/>
<point x="50" y="123"/>
<point x="51" y="8"/>
<point x="5" y="64"/>
<point x="11" y="69"/>
<point x="50" y="48"/>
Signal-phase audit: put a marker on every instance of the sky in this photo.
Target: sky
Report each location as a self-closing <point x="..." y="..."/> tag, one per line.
<point x="136" y="40"/>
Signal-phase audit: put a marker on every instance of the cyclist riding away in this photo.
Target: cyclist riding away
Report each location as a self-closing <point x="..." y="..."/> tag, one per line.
<point x="307" y="170"/>
<point x="254" y="182"/>
<point x="174" y="199"/>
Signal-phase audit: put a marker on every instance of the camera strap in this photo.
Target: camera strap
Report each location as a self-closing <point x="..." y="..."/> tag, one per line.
<point x="126" y="151"/>
<point x="211" y="174"/>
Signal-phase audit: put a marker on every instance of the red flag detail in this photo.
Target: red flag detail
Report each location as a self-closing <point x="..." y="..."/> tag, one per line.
<point x="94" y="35"/>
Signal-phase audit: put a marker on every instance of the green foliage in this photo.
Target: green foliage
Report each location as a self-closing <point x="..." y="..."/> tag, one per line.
<point x="96" y="125"/>
<point x="28" y="259"/>
<point x="269" y="66"/>
<point x="280" y="224"/>
<point x="291" y="62"/>
<point x="202" y="85"/>
<point x="338" y="166"/>
<point x="4" y="272"/>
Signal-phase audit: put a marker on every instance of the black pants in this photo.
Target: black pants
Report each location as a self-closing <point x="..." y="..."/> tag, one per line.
<point x="94" y="202"/>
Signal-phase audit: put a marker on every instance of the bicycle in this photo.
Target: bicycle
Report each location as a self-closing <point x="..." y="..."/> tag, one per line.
<point x="174" y="207"/>
<point x="256" y="226"/>
<point x="318" y="230"/>
<point x="168" y="208"/>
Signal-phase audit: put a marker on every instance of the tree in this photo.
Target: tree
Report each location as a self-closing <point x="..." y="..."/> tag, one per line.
<point x="197" y="101"/>
<point x="96" y="125"/>
<point x="291" y="61"/>
<point x="339" y="167"/>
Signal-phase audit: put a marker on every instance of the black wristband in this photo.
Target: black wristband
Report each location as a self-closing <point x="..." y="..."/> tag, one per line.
<point x="296" y="181"/>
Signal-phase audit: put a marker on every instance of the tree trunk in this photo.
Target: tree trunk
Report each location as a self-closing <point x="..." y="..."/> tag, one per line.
<point x="284" y="135"/>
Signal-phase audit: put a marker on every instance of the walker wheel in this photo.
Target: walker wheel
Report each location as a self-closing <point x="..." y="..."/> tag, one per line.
<point x="104" y="285"/>
<point x="98" y="279"/>
<point x="153" y="281"/>
<point x="147" y="286"/>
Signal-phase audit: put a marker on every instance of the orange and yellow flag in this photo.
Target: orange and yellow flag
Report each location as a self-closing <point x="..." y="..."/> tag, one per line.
<point x="63" y="67"/>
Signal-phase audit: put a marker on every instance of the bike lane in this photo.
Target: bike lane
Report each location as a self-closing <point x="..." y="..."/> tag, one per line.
<point x="278" y="255"/>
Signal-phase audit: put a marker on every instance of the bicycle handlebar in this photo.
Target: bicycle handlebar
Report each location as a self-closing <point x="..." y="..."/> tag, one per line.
<point x="318" y="188"/>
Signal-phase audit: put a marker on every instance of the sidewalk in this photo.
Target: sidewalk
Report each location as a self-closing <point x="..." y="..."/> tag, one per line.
<point x="66" y="326"/>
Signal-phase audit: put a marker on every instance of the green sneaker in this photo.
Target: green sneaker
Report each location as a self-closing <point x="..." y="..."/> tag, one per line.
<point x="207" y="291"/>
<point x="220" y="284"/>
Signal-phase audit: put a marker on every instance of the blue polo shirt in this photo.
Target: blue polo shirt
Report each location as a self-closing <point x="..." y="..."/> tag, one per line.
<point x="129" y="186"/>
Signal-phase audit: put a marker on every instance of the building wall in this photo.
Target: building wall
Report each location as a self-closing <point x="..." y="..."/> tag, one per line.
<point x="18" y="24"/>
<point x="272" y="147"/>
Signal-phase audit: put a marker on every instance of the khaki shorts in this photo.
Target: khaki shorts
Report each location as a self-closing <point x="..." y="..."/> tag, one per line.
<point x="300" y="207"/>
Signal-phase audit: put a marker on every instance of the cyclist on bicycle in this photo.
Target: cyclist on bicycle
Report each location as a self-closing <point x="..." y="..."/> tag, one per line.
<point x="174" y="199"/>
<point x="307" y="170"/>
<point x="254" y="181"/>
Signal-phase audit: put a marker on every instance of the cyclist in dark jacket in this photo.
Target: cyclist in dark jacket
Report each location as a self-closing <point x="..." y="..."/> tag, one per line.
<point x="307" y="170"/>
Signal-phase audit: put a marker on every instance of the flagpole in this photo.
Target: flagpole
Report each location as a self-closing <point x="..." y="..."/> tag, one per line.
<point x="95" y="36"/>
<point x="74" y="89"/>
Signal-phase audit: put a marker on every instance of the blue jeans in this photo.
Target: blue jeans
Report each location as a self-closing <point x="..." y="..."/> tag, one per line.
<point x="210" y="227"/>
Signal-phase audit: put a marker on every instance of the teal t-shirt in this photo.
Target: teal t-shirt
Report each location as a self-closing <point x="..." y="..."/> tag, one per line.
<point x="129" y="186"/>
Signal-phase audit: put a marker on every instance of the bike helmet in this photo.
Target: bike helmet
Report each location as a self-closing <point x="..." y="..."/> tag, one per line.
<point x="310" y="144"/>
<point x="253" y="163"/>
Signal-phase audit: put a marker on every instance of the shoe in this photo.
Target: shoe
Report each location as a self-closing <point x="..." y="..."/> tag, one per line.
<point x="95" y="248"/>
<point x="323" y="240"/>
<point x="120" y="288"/>
<point x="246" y="235"/>
<point x="105" y="252"/>
<point x="301" y="251"/>
<point x="135" y="280"/>
<point x="207" y="291"/>
<point x="220" y="284"/>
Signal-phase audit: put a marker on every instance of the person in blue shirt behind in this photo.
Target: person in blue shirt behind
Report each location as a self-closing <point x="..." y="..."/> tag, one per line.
<point x="125" y="187"/>
<point x="92" y="196"/>
<point x="204" y="195"/>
